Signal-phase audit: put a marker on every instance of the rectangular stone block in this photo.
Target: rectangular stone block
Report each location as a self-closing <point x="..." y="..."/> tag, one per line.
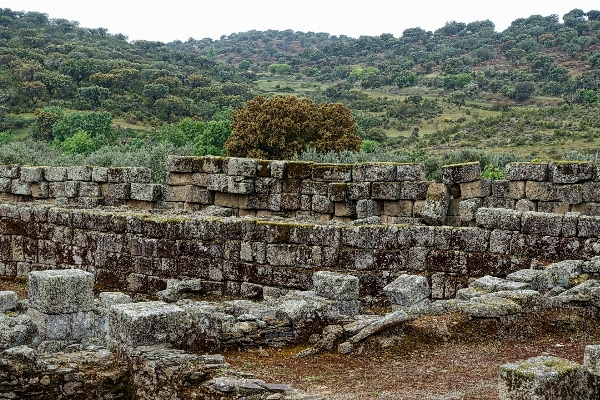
<point x="10" y="171"/>
<point x="570" y="194"/>
<point x="545" y="377"/>
<point x="240" y="185"/>
<point x="311" y="187"/>
<point x="200" y="195"/>
<point x="337" y="191"/>
<point x="479" y="188"/>
<point x="145" y="191"/>
<point x="179" y="164"/>
<point x="299" y="169"/>
<point x="413" y="190"/>
<point x="571" y="171"/>
<point x="322" y="204"/>
<point x="32" y="174"/>
<point x="129" y="175"/>
<point x="145" y="324"/>
<point x="410" y="172"/>
<point x="358" y="191"/>
<point x="374" y="172"/>
<point x="5" y="184"/>
<point x="217" y="182"/>
<point x="500" y="188"/>
<point x="400" y="208"/>
<point x="460" y="173"/>
<point x="498" y="218"/>
<point x="332" y="173"/>
<point x="89" y="189"/>
<point x="55" y="174"/>
<point x="63" y="189"/>
<point x="241" y="167"/>
<point x="385" y="190"/>
<point x="79" y="173"/>
<point x="40" y="190"/>
<point x="524" y="171"/>
<point x="100" y="174"/>
<point x="61" y="291"/>
<point x="175" y="193"/>
<point x="267" y="185"/>
<point x="539" y="223"/>
<point x="20" y="187"/>
<point x="345" y="209"/>
<point x="336" y="286"/>
<point x="552" y="207"/>
<point x="208" y="165"/>
<point x="179" y="178"/>
<point x="544" y="191"/>
<point x="119" y="191"/>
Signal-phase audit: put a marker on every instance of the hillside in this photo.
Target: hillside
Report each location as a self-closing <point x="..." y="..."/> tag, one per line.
<point x="531" y="90"/>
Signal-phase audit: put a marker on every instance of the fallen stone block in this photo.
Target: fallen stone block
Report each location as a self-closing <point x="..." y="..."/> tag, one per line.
<point x="336" y="286"/>
<point x="144" y="324"/>
<point x="523" y="275"/>
<point x="483" y="307"/>
<point x="407" y="290"/>
<point x="487" y="282"/>
<point x="108" y="299"/>
<point x="61" y="291"/>
<point x="556" y="275"/>
<point x="392" y="319"/>
<point x="8" y="301"/>
<point x="545" y="377"/>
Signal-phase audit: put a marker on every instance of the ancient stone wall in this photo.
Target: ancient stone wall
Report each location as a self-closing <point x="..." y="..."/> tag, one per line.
<point x="141" y="251"/>
<point x="398" y="193"/>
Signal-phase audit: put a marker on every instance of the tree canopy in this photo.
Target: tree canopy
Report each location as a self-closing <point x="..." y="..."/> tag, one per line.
<point x="280" y="127"/>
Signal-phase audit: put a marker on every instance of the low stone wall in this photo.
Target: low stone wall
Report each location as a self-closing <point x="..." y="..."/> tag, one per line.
<point x="141" y="251"/>
<point x="398" y="193"/>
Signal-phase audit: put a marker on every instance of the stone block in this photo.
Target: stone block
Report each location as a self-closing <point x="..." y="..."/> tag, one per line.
<point x="311" y="187"/>
<point x="543" y="191"/>
<point x="299" y="169"/>
<point x="145" y="191"/>
<point x="337" y="191"/>
<point x="552" y="207"/>
<point x="410" y="172"/>
<point x="487" y="283"/>
<point x="500" y="188"/>
<point x="145" y="324"/>
<point x="525" y="205"/>
<point x="8" y="300"/>
<point x="358" y="191"/>
<point x="89" y="189"/>
<point x="570" y="194"/>
<point x="251" y="290"/>
<point x="336" y="286"/>
<point x="344" y="209"/>
<point x="332" y="173"/>
<point x="118" y="191"/>
<point x="200" y="195"/>
<point x="569" y="225"/>
<point x="545" y="377"/>
<point x="209" y="165"/>
<point x="460" y="173"/>
<point x="108" y="299"/>
<point x="591" y="359"/>
<point x="498" y="218"/>
<point x="20" y="187"/>
<point x="100" y="174"/>
<point x="571" y="171"/>
<point x="479" y="188"/>
<point x="436" y="204"/>
<point x="407" y="290"/>
<point x="588" y="226"/>
<point x="414" y="190"/>
<point x="32" y="174"/>
<point x="241" y="167"/>
<point x="179" y="164"/>
<point x="61" y="291"/>
<point x="5" y="184"/>
<point x="79" y="173"/>
<point x="179" y="178"/>
<point x="179" y="193"/>
<point x="557" y="274"/>
<point x="500" y="241"/>
<point x="400" y="208"/>
<point x="51" y="326"/>
<point x="10" y="171"/>
<point x="63" y="189"/>
<point x="591" y="191"/>
<point x="322" y="204"/>
<point x="385" y="190"/>
<point x="524" y="171"/>
<point x="538" y="223"/>
<point x="278" y="169"/>
<point x="129" y="175"/>
<point x="468" y="208"/>
<point x="374" y="172"/>
<point x="516" y="189"/>
<point x="55" y="174"/>
<point x="267" y="185"/>
<point x="217" y="182"/>
<point x="40" y="190"/>
<point x="367" y="208"/>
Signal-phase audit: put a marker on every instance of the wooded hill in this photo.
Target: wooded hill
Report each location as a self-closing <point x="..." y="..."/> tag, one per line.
<point x="535" y="84"/>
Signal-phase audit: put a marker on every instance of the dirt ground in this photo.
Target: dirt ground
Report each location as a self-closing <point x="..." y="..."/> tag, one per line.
<point x="447" y="357"/>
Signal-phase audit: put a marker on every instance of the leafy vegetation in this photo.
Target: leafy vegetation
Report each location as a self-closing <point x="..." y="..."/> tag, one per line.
<point x="463" y="92"/>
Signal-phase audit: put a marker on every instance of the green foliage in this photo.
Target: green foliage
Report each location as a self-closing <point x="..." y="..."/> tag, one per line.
<point x="279" y="69"/>
<point x="492" y="172"/>
<point x="80" y="143"/>
<point x="212" y="140"/>
<point x="94" y="124"/>
<point x="6" y="137"/>
<point x="94" y="94"/>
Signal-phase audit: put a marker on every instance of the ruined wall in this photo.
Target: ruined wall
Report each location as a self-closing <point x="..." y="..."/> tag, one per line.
<point x="397" y="193"/>
<point x="140" y="251"/>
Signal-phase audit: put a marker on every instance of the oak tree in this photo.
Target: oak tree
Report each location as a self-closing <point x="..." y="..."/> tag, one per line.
<point x="280" y="127"/>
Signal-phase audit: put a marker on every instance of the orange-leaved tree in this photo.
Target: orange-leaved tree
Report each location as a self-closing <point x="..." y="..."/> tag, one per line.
<point x="282" y="126"/>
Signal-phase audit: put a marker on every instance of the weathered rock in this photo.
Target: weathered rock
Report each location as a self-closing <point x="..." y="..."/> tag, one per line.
<point x="459" y="173"/>
<point x="496" y="218"/>
<point x="61" y="291"/>
<point x="436" y="204"/>
<point x="336" y="286"/>
<point x="388" y="321"/>
<point x="8" y="301"/>
<point x="557" y="274"/>
<point x="545" y="378"/>
<point x="571" y="171"/>
<point x="407" y="290"/>
<point x="521" y="171"/>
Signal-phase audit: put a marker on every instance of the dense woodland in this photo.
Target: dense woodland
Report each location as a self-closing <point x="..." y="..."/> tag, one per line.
<point x="70" y="94"/>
